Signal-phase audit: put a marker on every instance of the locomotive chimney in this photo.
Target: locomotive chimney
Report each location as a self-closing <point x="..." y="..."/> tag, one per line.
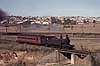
<point x="61" y="37"/>
<point x="66" y="36"/>
<point x="68" y="40"/>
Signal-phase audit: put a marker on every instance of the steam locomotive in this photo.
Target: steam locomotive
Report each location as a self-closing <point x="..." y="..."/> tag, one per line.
<point x="43" y="40"/>
<point x="50" y="41"/>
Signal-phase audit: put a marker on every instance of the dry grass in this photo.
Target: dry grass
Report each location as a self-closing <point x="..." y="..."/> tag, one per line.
<point x="88" y="28"/>
<point x="92" y="44"/>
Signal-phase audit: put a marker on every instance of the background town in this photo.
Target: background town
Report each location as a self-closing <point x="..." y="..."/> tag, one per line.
<point x="67" y="24"/>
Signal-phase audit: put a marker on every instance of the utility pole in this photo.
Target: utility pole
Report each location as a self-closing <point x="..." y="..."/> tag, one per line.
<point x="6" y="25"/>
<point x="16" y="27"/>
<point x="82" y="27"/>
<point x="48" y="28"/>
<point x="0" y="38"/>
<point x="72" y="29"/>
<point x="20" y="27"/>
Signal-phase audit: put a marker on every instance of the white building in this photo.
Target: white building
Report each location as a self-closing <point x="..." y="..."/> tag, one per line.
<point x="38" y="22"/>
<point x="45" y="23"/>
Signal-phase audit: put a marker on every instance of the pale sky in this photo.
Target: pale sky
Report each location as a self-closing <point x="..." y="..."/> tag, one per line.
<point x="51" y="7"/>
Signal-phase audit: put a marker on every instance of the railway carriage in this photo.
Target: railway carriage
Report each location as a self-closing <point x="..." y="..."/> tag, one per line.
<point x="50" y="41"/>
<point x="33" y="39"/>
<point x="29" y="38"/>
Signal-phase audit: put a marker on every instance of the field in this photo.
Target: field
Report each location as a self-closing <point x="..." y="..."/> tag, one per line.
<point x="31" y="55"/>
<point x="88" y="28"/>
<point x="89" y="43"/>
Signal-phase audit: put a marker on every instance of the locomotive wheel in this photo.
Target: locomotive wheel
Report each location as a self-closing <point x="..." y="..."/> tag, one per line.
<point x="57" y="47"/>
<point x="61" y="46"/>
<point x="21" y="42"/>
<point x="54" y="46"/>
<point x="47" y="45"/>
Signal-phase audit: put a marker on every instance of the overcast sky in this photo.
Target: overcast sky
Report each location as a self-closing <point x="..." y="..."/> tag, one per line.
<point x="51" y="7"/>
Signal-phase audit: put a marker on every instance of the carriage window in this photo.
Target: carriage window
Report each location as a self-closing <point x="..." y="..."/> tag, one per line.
<point x="30" y="38"/>
<point x="36" y="38"/>
<point x="33" y="38"/>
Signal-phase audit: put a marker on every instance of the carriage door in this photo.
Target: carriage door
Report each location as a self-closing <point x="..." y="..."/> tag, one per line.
<point x="43" y="40"/>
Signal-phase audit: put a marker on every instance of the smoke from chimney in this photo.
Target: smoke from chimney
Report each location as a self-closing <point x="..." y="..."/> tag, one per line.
<point x="3" y="15"/>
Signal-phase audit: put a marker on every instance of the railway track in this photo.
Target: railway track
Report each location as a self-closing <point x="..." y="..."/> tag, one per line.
<point x="86" y="35"/>
<point x="4" y="41"/>
<point x="11" y="42"/>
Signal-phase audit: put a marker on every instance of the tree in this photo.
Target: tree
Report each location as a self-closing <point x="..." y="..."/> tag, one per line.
<point x="53" y="20"/>
<point x="94" y="23"/>
<point x="95" y="58"/>
<point x="59" y="21"/>
<point x="68" y="21"/>
<point x="72" y="27"/>
<point x="84" y="21"/>
<point x="73" y="22"/>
